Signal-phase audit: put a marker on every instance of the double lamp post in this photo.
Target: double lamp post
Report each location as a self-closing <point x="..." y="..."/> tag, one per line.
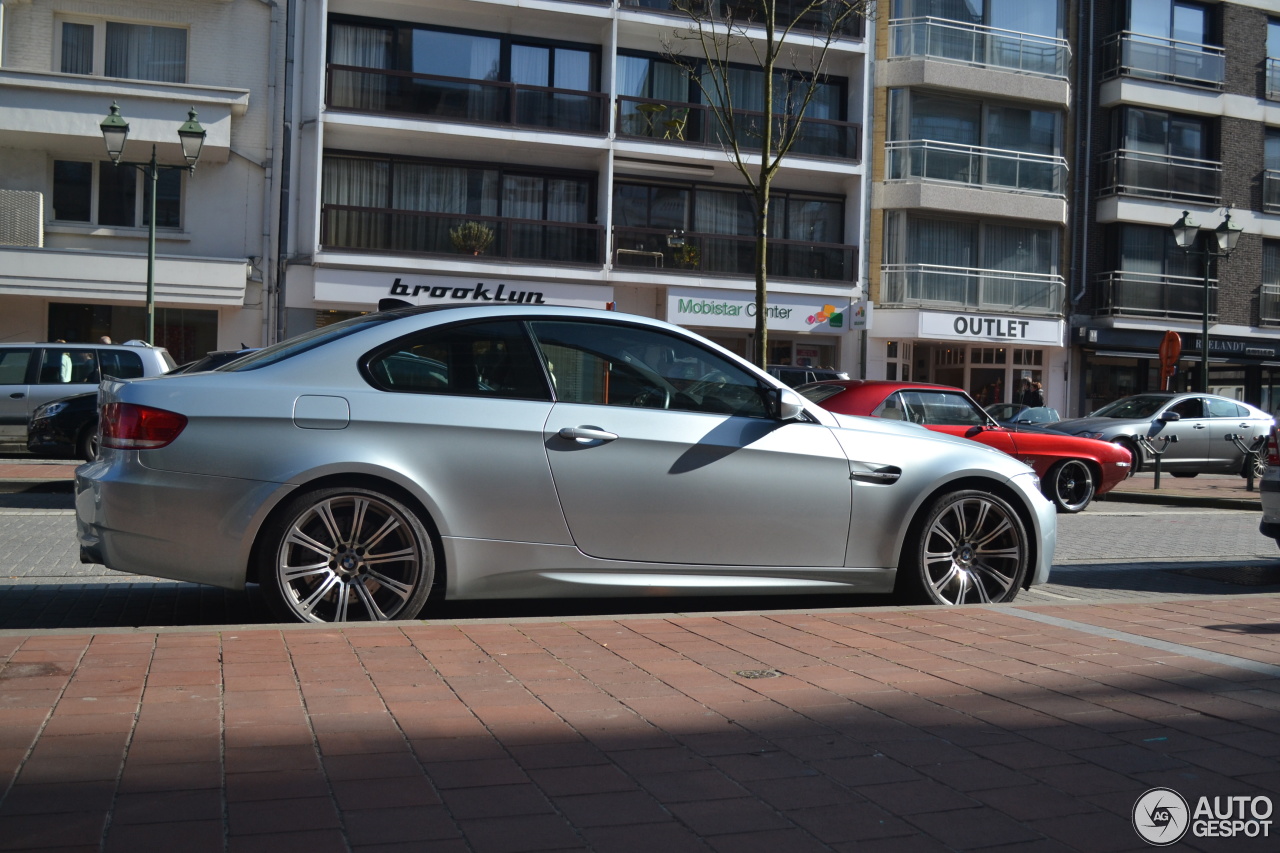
<point x="115" y="130"/>
<point x="1185" y="231"/>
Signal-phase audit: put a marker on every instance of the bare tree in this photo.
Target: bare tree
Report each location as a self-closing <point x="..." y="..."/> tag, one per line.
<point x="788" y="40"/>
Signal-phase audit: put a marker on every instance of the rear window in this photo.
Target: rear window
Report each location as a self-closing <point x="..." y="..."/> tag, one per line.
<point x="307" y="341"/>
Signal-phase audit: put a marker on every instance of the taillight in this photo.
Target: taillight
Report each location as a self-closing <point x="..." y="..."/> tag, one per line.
<point x="126" y="426"/>
<point x="1273" y="450"/>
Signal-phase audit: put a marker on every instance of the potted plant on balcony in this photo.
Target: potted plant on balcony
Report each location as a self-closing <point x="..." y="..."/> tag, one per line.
<point x="688" y="256"/>
<point x="473" y="237"/>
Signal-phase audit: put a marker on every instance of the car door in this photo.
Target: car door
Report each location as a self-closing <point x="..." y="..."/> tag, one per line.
<point x="64" y="371"/>
<point x="1225" y="419"/>
<point x="14" y="391"/>
<point x="664" y="452"/>
<point x="1191" y="451"/>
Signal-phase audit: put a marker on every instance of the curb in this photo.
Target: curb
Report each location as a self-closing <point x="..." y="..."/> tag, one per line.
<point x="1157" y="497"/>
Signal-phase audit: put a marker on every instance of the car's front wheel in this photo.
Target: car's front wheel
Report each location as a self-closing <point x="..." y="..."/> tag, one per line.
<point x="966" y="547"/>
<point x="346" y="555"/>
<point x="1070" y="485"/>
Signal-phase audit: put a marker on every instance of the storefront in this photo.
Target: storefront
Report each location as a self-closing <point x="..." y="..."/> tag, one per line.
<point x="989" y="355"/>
<point x="1116" y="363"/>
<point x="808" y="330"/>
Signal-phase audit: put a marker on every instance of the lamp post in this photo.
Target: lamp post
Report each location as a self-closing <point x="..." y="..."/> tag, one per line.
<point x="1185" y="231"/>
<point x="115" y="130"/>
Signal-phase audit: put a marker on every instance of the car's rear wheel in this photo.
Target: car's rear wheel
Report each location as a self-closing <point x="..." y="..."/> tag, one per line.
<point x="1070" y="485"/>
<point x="346" y="555"/>
<point x="87" y="442"/>
<point x="1259" y="463"/>
<point x="967" y="547"/>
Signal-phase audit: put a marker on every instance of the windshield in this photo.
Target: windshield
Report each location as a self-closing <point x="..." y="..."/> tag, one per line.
<point x="307" y="341"/>
<point x="1142" y="406"/>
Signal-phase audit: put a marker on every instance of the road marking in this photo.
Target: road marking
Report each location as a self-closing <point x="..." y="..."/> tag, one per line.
<point x="1137" y="640"/>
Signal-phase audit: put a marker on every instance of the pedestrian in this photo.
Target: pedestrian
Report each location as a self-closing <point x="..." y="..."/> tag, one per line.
<point x="105" y="339"/>
<point x="1032" y="394"/>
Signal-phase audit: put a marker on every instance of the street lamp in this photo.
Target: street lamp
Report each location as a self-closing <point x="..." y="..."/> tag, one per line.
<point x="115" y="130"/>
<point x="1227" y="233"/>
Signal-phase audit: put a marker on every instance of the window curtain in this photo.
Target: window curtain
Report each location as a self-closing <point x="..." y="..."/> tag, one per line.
<point x="356" y="183"/>
<point x="942" y="243"/>
<point x="140" y="52"/>
<point x="1015" y="249"/>
<point x="729" y="213"/>
<point x="465" y="56"/>
<point x="77" y="48"/>
<point x="363" y="47"/>
<point x="1271" y="262"/>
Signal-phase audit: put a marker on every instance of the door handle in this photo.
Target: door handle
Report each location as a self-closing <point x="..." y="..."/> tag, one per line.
<point x="1199" y="426"/>
<point x="584" y="434"/>
<point x="17" y="395"/>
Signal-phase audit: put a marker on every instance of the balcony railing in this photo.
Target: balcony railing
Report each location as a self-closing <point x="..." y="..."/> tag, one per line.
<point x="371" y="90"/>
<point x="973" y="44"/>
<point x="1269" y="305"/>
<point x="1135" y="294"/>
<point x="1128" y="172"/>
<point x="1271" y="190"/>
<point x="746" y="11"/>
<point x="695" y="124"/>
<point x="913" y="285"/>
<point x="725" y="254"/>
<point x="972" y="165"/>
<point x="1129" y="54"/>
<point x="1273" y="78"/>
<point x="418" y="232"/>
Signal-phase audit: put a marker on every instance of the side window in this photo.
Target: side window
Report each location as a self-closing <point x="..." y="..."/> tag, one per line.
<point x="611" y="364"/>
<point x="892" y="409"/>
<point x="1191" y="408"/>
<point x="119" y="364"/>
<point x="938" y="408"/>
<point x="474" y="359"/>
<point x="13" y="366"/>
<point x="65" y="366"/>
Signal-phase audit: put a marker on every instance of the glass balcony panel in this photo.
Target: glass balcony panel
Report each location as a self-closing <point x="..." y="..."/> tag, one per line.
<point x="1134" y="294"/>
<point x="1138" y="173"/>
<point x="732" y="255"/>
<point x="975" y="289"/>
<point x="1139" y="55"/>
<point x="972" y="44"/>
<point x="975" y="166"/>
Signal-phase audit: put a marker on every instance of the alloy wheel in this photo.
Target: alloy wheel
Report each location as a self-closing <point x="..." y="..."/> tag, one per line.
<point x="973" y="551"/>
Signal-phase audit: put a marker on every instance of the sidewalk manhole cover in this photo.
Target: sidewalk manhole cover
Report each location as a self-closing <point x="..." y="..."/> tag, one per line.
<point x="1238" y="575"/>
<point x="758" y="673"/>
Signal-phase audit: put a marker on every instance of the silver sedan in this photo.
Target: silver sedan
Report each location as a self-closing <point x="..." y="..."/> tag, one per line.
<point x="514" y="451"/>
<point x="1200" y="427"/>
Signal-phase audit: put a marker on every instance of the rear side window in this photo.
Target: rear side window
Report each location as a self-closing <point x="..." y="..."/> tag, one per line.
<point x="119" y="364"/>
<point x="13" y="366"/>
<point x="69" y="366"/>
<point x="473" y="359"/>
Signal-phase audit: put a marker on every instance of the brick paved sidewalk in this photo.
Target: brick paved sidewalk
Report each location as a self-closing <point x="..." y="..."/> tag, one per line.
<point x="916" y="729"/>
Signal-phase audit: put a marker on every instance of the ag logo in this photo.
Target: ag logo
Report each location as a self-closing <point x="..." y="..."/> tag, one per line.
<point x="1161" y="816"/>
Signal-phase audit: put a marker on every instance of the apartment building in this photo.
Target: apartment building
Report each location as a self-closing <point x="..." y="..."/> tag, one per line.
<point x="551" y="152"/>
<point x="972" y="180"/>
<point x="74" y="227"/>
<point x="1182" y="114"/>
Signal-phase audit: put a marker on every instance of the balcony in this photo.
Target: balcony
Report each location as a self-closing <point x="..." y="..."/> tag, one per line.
<point x="1129" y="54"/>
<point x="808" y="17"/>
<point x="1273" y="78"/>
<point x="971" y="165"/>
<point x="417" y="232"/>
<point x="695" y="124"/>
<point x="371" y="90"/>
<point x="972" y="44"/>
<point x="1269" y="305"/>
<point x="932" y="285"/>
<point x="1271" y="190"/>
<point x="725" y="254"/>
<point x="1137" y="173"/>
<point x="1134" y="294"/>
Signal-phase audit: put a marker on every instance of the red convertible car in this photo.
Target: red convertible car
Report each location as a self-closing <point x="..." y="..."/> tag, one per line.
<point x="1072" y="470"/>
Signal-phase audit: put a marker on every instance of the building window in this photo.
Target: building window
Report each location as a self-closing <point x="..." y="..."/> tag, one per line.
<point x="1167" y="40"/>
<point x="1007" y="34"/>
<point x="705" y="228"/>
<point x="129" y="51"/>
<point x="1273" y="58"/>
<point x="1271" y="171"/>
<point x="1162" y="155"/>
<point x="118" y="197"/>
<point x="975" y="264"/>
<point x="999" y="146"/>
<point x="1152" y="277"/>
<point x="405" y="205"/>
<point x="1269" y="296"/>
<point x="464" y="76"/>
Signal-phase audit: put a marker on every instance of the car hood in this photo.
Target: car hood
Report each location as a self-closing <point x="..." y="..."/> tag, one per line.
<point x="864" y="423"/>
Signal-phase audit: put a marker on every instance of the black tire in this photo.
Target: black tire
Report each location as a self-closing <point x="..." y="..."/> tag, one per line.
<point x="1071" y="485"/>
<point x="965" y="547"/>
<point x="315" y="558"/>
<point x="1135" y="455"/>
<point x="87" y="442"/>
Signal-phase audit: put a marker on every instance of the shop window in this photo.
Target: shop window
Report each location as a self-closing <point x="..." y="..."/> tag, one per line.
<point x="117" y="197"/>
<point x="128" y="51"/>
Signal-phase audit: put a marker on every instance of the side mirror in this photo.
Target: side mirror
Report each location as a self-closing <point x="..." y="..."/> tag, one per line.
<point x="1170" y="417"/>
<point x="787" y="404"/>
<point x="972" y="431"/>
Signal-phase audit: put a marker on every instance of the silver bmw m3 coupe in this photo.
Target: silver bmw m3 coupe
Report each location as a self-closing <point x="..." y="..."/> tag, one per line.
<point x="520" y="451"/>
